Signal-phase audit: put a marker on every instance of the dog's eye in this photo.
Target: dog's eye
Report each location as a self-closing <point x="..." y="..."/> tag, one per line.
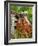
<point x="16" y="21"/>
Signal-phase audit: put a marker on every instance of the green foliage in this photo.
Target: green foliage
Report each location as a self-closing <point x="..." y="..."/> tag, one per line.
<point x="15" y="8"/>
<point x="19" y="9"/>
